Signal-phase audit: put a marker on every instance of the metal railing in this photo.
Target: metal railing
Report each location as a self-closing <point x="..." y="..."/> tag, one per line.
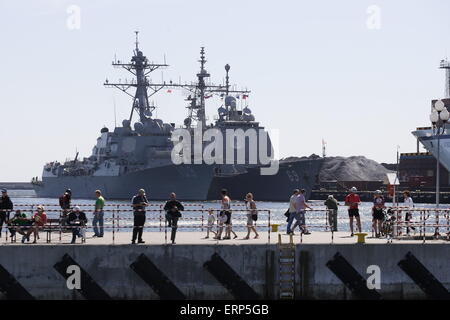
<point x="431" y="220"/>
<point x="119" y="218"/>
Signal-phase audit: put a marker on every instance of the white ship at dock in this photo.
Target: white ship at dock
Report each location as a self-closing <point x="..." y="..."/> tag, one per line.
<point x="427" y="135"/>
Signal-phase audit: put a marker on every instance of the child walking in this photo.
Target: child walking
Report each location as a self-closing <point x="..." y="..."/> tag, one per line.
<point x="211" y="220"/>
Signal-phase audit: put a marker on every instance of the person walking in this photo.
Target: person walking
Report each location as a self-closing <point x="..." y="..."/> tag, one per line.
<point x="6" y="205"/>
<point x="352" y="200"/>
<point x="332" y="207"/>
<point x="226" y="208"/>
<point x="300" y="207"/>
<point x="77" y="220"/>
<point x="409" y="203"/>
<point x="173" y="208"/>
<point x="377" y="212"/>
<point x="211" y="221"/>
<point x="65" y="204"/>
<point x="139" y="202"/>
<point x="292" y="211"/>
<point x="98" y="214"/>
<point x="221" y="220"/>
<point x="252" y="215"/>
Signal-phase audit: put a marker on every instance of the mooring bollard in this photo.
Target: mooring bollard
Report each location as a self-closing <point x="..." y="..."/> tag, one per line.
<point x="361" y="237"/>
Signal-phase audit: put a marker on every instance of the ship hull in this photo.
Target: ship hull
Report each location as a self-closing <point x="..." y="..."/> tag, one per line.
<point x="299" y="174"/>
<point x="430" y="142"/>
<point x="189" y="182"/>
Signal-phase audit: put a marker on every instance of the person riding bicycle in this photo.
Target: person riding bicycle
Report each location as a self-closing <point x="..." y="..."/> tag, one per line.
<point x="377" y="212"/>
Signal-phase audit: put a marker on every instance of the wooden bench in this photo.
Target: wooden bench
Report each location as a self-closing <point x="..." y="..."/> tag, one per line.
<point x="54" y="225"/>
<point x="51" y="226"/>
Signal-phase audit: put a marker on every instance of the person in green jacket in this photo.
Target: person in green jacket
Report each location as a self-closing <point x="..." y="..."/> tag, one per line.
<point x="332" y="206"/>
<point x="98" y="214"/>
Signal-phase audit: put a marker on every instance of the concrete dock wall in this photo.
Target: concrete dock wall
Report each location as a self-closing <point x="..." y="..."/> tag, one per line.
<point x="395" y="284"/>
<point x="109" y="267"/>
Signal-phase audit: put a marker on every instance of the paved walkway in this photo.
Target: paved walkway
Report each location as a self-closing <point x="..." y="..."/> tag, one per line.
<point x="197" y="238"/>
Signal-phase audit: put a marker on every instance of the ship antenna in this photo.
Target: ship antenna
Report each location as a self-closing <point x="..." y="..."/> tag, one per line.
<point x="140" y="67"/>
<point x="227" y="78"/>
<point x="137" y="40"/>
<point x="202" y="86"/>
<point x="324" y="148"/>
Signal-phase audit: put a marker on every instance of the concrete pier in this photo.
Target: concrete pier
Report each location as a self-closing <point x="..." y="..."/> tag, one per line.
<point x="255" y="261"/>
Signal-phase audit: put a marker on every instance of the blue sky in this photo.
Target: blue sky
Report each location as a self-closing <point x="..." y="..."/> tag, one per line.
<point x="314" y="67"/>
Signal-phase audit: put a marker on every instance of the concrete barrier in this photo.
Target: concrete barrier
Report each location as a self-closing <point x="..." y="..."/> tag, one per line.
<point x="109" y="266"/>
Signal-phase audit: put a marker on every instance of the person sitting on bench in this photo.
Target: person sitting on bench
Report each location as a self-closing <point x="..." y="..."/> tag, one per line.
<point x="39" y="220"/>
<point x="19" y="224"/>
<point x="77" y="220"/>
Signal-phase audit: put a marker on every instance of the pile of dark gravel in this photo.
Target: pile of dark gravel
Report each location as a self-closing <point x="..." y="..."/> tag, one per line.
<point x="356" y="168"/>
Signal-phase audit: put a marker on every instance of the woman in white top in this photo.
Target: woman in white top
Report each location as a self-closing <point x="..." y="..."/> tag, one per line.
<point x="252" y="215"/>
<point x="408" y="215"/>
<point x="225" y="214"/>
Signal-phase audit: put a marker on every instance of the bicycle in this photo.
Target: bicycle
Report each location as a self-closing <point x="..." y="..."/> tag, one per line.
<point x="387" y="226"/>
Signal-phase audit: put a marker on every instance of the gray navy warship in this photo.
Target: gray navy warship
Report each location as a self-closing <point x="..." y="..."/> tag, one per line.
<point x="140" y="156"/>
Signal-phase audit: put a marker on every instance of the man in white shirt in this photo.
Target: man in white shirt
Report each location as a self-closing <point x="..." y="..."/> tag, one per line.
<point x="408" y="215"/>
<point x="292" y="210"/>
<point x="300" y="206"/>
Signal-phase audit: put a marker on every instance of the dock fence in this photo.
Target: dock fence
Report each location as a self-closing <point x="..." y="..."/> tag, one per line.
<point x="119" y="218"/>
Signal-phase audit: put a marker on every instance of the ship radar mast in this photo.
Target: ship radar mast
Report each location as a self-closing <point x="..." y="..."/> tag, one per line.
<point x="202" y="87"/>
<point x="140" y="68"/>
<point x="445" y="64"/>
<point x="201" y="91"/>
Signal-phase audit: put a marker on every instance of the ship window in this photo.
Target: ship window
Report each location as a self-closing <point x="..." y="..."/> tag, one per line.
<point x="430" y="173"/>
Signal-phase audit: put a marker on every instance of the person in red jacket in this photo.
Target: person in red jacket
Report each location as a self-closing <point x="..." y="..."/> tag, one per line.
<point x="39" y="220"/>
<point x="352" y="200"/>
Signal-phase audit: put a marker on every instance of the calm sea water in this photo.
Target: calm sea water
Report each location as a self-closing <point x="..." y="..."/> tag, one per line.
<point x="192" y="217"/>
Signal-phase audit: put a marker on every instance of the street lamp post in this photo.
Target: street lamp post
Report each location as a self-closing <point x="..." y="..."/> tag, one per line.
<point x="439" y="117"/>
